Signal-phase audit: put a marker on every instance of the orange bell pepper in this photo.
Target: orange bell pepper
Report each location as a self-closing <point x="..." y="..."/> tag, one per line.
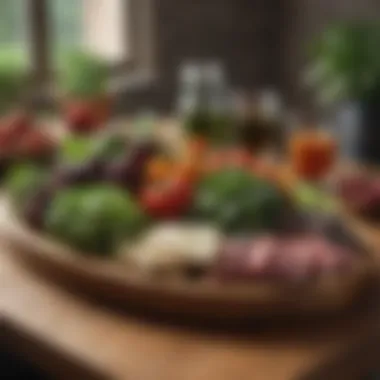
<point x="159" y="169"/>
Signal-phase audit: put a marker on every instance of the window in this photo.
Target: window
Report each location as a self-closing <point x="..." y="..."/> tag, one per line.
<point x="42" y="31"/>
<point x="100" y="26"/>
<point x="65" y="22"/>
<point x="13" y="29"/>
<point x="112" y="40"/>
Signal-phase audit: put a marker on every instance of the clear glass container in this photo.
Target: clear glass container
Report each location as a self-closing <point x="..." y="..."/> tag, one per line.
<point x="204" y="101"/>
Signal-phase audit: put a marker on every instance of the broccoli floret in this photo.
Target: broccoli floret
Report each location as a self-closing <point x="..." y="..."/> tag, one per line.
<point x="93" y="219"/>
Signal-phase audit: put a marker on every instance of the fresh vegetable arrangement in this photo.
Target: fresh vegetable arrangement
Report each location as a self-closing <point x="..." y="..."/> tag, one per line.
<point x="211" y="212"/>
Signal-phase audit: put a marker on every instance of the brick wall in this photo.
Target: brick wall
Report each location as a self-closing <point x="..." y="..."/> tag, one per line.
<point x="309" y="17"/>
<point x="243" y="34"/>
<point x="261" y="42"/>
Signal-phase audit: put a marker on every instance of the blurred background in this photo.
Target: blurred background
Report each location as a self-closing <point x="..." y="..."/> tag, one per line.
<point x="261" y="43"/>
<point x="141" y="46"/>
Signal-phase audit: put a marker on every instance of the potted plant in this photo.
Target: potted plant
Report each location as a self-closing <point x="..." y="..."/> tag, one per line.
<point x="345" y="71"/>
<point x="83" y="79"/>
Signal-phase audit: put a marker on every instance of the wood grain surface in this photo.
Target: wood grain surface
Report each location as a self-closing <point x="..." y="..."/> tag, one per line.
<point x="78" y="339"/>
<point x="118" y="283"/>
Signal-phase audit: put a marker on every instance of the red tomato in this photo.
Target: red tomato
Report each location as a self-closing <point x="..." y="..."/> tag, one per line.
<point x="19" y="122"/>
<point x="81" y="117"/>
<point x="35" y="143"/>
<point x="168" y="201"/>
<point x="12" y="129"/>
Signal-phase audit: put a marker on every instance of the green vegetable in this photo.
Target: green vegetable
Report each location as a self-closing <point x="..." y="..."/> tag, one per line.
<point x="22" y="181"/>
<point x="237" y="201"/>
<point x="83" y="75"/>
<point x="93" y="219"/>
<point x="312" y="198"/>
<point x="111" y="147"/>
<point x="76" y="149"/>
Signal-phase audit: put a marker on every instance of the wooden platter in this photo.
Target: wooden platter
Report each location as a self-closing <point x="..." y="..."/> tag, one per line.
<point x="113" y="282"/>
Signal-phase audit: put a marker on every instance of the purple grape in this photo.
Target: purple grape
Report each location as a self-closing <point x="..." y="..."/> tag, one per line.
<point x="88" y="172"/>
<point x="126" y="175"/>
<point x="143" y="151"/>
<point x="128" y="171"/>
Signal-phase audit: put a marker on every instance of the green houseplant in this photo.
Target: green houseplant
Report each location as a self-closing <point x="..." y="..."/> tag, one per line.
<point x="345" y="72"/>
<point x="83" y="79"/>
<point x="346" y="62"/>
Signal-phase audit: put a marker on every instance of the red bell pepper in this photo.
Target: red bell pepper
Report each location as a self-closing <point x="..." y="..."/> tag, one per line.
<point x="170" y="200"/>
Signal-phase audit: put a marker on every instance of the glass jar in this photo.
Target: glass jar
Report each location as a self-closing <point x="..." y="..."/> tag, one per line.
<point x="261" y="122"/>
<point x="312" y="153"/>
<point x="204" y="101"/>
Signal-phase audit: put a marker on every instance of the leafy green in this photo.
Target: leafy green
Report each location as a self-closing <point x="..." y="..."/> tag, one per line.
<point x="76" y="149"/>
<point x="22" y="181"/>
<point x="83" y="75"/>
<point x="110" y="147"/>
<point x="93" y="219"/>
<point x="237" y="201"/>
<point x="346" y="62"/>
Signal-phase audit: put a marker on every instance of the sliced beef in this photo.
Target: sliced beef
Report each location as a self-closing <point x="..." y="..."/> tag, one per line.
<point x="295" y="258"/>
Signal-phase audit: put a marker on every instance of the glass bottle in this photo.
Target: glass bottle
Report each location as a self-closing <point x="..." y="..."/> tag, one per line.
<point x="203" y="101"/>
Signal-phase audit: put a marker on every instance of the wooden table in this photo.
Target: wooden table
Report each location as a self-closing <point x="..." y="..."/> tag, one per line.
<point x="72" y="338"/>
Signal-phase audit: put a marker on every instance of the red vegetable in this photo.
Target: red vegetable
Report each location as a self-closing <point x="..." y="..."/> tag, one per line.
<point x="168" y="201"/>
<point x="81" y="117"/>
<point x="12" y="129"/>
<point x="35" y="143"/>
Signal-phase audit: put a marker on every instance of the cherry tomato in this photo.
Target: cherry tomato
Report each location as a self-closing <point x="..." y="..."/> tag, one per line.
<point x="81" y="117"/>
<point x="19" y="122"/>
<point x="12" y="129"/>
<point x="35" y="143"/>
<point x="7" y="142"/>
<point x="169" y="200"/>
